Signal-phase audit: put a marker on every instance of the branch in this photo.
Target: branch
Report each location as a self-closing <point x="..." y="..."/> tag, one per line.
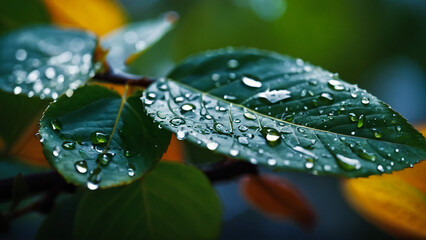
<point x="124" y="78"/>
<point x="37" y="183"/>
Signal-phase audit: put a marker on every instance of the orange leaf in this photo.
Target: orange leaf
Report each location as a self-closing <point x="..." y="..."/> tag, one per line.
<point x="174" y="152"/>
<point x="98" y="16"/>
<point x="277" y="198"/>
<point x="396" y="202"/>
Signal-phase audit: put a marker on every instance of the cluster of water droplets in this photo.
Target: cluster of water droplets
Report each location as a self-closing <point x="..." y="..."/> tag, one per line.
<point x="92" y="154"/>
<point x="54" y="66"/>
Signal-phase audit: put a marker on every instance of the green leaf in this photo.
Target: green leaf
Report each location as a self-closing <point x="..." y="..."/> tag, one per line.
<point x="39" y="64"/>
<point x="173" y="201"/>
<point x="60" y="221"/>
<point x="127" y="43"/>
<point x="100" y="139"/>
<point x="281" y="112"/>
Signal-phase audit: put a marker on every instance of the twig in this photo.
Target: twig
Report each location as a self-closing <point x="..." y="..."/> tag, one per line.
<point x="124" y="78"/>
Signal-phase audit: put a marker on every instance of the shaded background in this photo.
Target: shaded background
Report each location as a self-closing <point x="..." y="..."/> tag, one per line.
<point x="378" y="44"/>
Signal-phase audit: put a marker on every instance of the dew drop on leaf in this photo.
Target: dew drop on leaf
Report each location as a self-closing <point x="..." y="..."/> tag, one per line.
<point x="233" y="64"/>
<point x="98" y="138"/>
<point x="251" y="81"/>
<point x="352" y="117"/>
<point x="328" y="97"/>
<point x="220" y="128"/>
<point x="309" y="164"/>
<point x="243" y="140"/>
<point x="348" y="164"/>
<point x="234" y="152"/>
<point x="365" y="100"/>
<point x="249" y="116"/>
<point x="56" y="151"/>
<point x="131" y="170"/>
<point x="68" y="145"/>
<point x="187" y="107"/>
<point x="180" y="135"/>
<point x="361" y="120"/>
<point x="212" y="145"/>
<point x="104" y="158"/>
<point x="380" y="168"/>
<point x="271" y="162"/>
<point x="243" y="128"/>
<point x="56" y="125"/>
<point x="81" y="166"/>
<point x="336" y="85"/>
<point x="177" y="121"/>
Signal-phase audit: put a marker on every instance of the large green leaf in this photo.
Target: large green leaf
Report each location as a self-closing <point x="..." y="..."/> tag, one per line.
<point x="284" y="113"/>
<point x="173" y="201"/>
<point x="37" y="65"/>
<point x="99" y="138"/>
<point x="132" y="39"/>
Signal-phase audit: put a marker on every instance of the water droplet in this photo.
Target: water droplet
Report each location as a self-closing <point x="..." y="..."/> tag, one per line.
<point x="56" y="125"/>
<point x="81" y="166"/>
<point x="17" y="90"/>
<point x="398" y="128"/>
<point x="348" y="164"/>
<point x="336" y="85"/>
<point x="313" y="82"/>
<point x="271" y="135"/>
<point x="179" y="99"/>
<point x="229" y="97"/>
<point x="131" y="170"/>
<point x="92" y="186"/>
<point x="127" y="153"/>
<point x="365" y="100"/>
<point x="243" y="128"/>
<point x="253" y="161"/>
<point x="377" y="134"/>
<point x="50" y="73"/>
<point x="352" y="117"/>
<point x="309" y="164"/>
<point x="232" y="64"/>
<point x="234" y="152"/>
<point x="380" y="168"/>
<point x="304" y="151"/>
<point x="251" y="81"/>
<point x="325" y="96"/>
<point x="220" y="128"/>
<point x="104" y="158"/>
<point x="249" y="116"/>
<point x="177" y="121"/>
<point x="161" y="115"/>
<point x="180" y="135"/>
<point x="243" y="140"/>
<point x="215" y="77"/>
<point x="361" y="120"/>
<point x="56" y="151"/>
<point x="21" y="55"/>
<point x="272" y="162"/>
<point x="275" y="96"/>
<point x="98" y="137"/>
<point x="212" y="145"/>
<point x="187" y="107"/>
<point x="367" y="156"/>
<point x="397" y="150"/>
<point x="68" y="145"/>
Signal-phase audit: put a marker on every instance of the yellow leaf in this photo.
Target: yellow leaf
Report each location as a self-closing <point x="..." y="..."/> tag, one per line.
<point x="98" y="16"/>
<point x="394" y="202"/>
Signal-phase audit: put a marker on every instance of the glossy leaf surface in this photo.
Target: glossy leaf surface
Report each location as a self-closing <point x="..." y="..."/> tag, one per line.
<point x="173" y="201"/>
<point x="99" y="139"/>
<point x="282" y="112"/>
<point x="129" y="41"/>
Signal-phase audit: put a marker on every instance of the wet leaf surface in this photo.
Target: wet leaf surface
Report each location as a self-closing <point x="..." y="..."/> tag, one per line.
<point x="284" y="113"/>
<point x="100" y="139"/>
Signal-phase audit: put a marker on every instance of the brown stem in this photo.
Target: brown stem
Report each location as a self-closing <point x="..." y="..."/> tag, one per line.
<point x="124" y="78"/>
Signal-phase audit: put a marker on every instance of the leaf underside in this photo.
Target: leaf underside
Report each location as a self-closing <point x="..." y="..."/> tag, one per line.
<point x="98" y="139"/>
<point x="284" y="113"/>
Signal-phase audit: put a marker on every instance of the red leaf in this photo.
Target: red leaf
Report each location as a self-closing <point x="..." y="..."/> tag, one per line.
<point x="277" y="198"/>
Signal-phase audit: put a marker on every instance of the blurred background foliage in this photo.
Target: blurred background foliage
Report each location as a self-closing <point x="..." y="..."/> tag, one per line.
<point x="377" y="44"/>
